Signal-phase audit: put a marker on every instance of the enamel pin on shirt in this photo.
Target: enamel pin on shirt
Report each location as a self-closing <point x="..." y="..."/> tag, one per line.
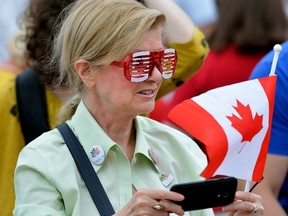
<point x="166" y="178"/>
<point x="97" y="155"/>
<point x="152" y="156"/>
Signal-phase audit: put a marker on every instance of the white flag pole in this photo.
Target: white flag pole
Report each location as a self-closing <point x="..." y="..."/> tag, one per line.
<point x="277" y="49"/>
<point x="247" y="186"/>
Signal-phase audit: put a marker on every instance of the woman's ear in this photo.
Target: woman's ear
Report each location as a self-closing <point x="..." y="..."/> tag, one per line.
<point x="85" y="72"/>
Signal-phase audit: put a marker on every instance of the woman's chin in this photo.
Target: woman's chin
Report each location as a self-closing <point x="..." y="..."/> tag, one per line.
<point x="147" y="110"/>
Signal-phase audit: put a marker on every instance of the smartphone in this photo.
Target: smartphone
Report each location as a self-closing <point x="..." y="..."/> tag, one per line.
<point x="208" y="193"/>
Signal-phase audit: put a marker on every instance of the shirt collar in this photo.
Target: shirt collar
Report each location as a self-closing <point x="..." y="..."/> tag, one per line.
<point x="142" y="147"/>
<point x="90" y="134"/>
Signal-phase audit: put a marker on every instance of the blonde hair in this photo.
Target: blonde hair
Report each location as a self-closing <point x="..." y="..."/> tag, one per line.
<point x="99" y="31"/>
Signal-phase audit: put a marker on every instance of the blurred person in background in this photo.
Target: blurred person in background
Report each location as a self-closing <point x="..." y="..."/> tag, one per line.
<point x="245" y="31"/>
<point x="274" y="187"/>
<point x="11" y="55"/>
<point x="9" y="17"/>
<point x="203" y="13"/>
<point x="15" y="64"/>
<point x="35" y="35"/>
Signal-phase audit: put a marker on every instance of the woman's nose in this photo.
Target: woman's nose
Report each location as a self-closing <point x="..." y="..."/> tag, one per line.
<point x="156" y="75"/>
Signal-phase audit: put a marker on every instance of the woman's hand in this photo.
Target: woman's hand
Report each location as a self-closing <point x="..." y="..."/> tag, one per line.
<point x="245" y="204"/>
<point x="152" y="202"/>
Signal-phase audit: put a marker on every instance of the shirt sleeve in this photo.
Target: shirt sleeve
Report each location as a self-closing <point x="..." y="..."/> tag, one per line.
<point x="34" y="188"/>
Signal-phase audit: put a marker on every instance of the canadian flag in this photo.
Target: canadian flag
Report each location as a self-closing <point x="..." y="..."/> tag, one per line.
<point x="233" y="122"/>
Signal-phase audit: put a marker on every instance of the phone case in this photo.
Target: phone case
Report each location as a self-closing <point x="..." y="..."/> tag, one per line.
<point x="208" y="193"/>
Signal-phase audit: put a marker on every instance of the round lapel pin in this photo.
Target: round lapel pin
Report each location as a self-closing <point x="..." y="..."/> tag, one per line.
<point x="97" y="155"/>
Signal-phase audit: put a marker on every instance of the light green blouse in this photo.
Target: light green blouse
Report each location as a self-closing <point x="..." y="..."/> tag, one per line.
<point x="47" y="181"/>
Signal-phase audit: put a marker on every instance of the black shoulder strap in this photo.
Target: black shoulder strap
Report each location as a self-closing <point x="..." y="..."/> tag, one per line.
<point x="86" y="170"/>
<point x="31" y="103"/>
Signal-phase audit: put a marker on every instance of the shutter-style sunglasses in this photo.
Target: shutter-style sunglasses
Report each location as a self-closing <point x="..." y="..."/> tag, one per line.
<point x="138" y="66"/>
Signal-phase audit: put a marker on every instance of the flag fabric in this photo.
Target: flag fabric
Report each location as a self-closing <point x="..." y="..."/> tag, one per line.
<point x="234" y="123"/>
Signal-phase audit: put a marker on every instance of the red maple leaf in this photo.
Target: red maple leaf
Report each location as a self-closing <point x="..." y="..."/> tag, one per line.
<point x="247" y="126"/>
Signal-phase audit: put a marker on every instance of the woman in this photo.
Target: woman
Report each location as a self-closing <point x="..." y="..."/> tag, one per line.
<point x="96" y="46"/>
<point x="39" y="18"/>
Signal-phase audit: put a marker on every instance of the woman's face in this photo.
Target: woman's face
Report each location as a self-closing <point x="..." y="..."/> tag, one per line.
<point x="117" y="95"/>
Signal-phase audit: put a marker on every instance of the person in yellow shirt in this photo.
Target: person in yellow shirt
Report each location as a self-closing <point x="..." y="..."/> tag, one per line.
<point x="181" y="34"/>
<point x="37" y="39"/>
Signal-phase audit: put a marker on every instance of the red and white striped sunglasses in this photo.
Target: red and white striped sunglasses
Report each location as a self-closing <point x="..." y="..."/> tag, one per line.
<point x="138" y="66"/>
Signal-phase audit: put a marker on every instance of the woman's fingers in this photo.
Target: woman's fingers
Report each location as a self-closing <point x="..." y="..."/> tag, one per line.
<point x="246" y="203"/>
<point x="153" y="202"/>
